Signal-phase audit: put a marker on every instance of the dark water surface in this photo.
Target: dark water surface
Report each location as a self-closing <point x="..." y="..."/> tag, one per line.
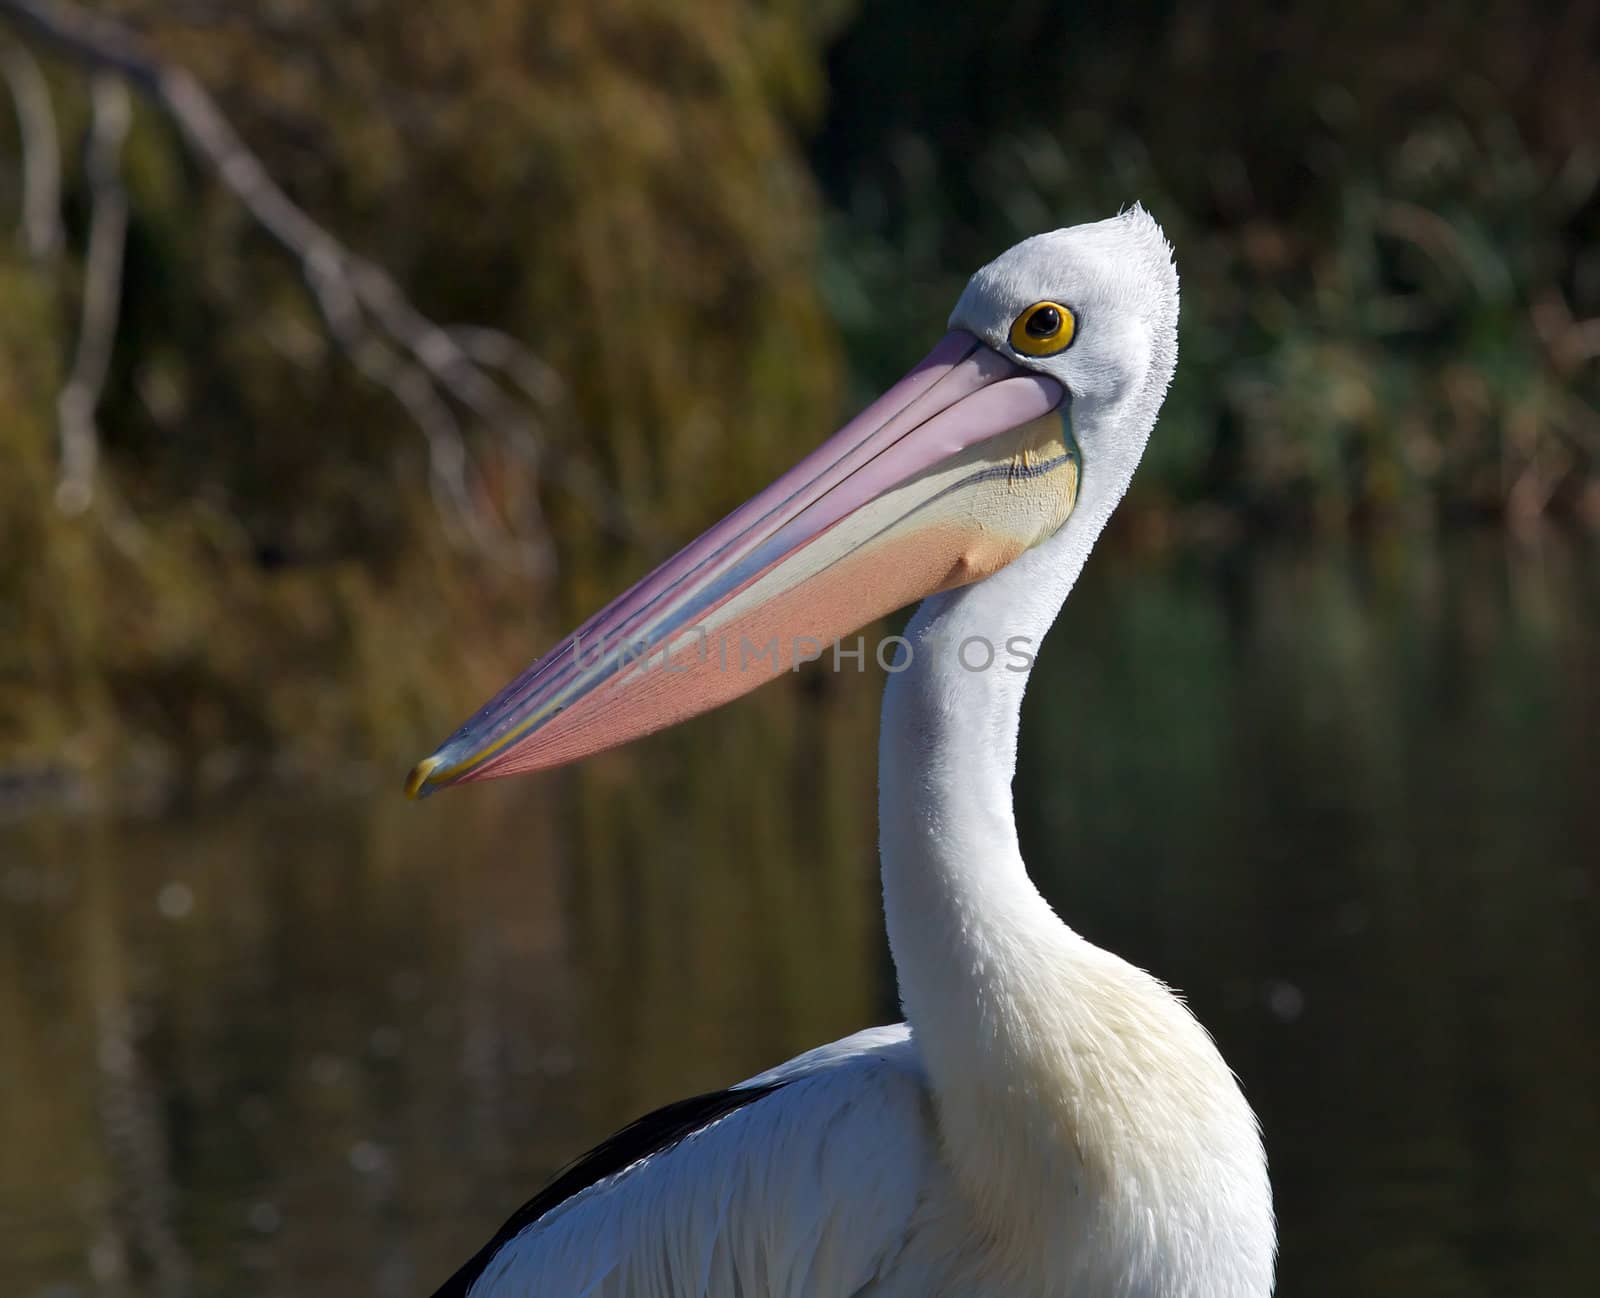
<point x="1349" y="801"/>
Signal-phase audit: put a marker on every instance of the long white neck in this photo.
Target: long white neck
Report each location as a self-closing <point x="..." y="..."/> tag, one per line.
<point x="1093" y="1128"/>
<point x="957" y="897"/>
<point x="994" y="985"/>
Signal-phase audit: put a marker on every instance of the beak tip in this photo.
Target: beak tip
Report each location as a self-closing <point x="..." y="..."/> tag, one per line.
<point x="417" y="782"/>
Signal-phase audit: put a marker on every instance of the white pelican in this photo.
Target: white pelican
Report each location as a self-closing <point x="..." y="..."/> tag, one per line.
<point x="1049" y="1120"/>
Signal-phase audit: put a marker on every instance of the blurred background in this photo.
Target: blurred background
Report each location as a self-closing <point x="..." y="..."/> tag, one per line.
<point x="351" y="349"/>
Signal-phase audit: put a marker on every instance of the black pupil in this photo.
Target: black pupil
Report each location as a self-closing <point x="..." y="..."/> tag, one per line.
<point x="1043" y="323"/>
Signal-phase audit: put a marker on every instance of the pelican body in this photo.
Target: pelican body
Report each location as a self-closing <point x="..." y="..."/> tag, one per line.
<point x="1049" y="1120"/>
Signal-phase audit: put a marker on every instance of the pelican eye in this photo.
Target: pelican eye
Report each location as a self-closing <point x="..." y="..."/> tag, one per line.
<point x="1044" y="329"/>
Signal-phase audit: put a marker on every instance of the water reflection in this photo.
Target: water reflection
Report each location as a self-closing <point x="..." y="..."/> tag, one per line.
<point x="1346" y="800"/>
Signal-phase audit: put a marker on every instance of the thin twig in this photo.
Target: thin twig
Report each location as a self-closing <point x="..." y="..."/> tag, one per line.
<point x="41" y="152"/>
<point x="424" y="366"/>
<point x="496" y="350"/>
<point x="102" y="297"/>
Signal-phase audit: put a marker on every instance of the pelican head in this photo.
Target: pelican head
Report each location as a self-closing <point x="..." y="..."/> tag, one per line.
<point x="1116" y="297"/>
<point x="1058" y="355"/>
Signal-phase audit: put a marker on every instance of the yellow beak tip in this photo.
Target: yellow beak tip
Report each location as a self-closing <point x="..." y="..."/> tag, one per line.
<point x="417" y="781"/>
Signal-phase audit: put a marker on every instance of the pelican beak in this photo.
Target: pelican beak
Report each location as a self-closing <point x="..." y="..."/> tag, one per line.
<point x="952" y="473"/>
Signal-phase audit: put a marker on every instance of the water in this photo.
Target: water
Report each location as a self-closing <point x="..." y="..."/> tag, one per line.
<point x="1346" y="799"/>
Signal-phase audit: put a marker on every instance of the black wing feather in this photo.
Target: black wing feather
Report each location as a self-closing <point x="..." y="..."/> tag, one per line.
<point x="655" y="1133"/>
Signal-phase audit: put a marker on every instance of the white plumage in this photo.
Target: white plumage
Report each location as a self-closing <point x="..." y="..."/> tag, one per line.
<point x="829" y="1207"/>
<point x="1054" y="1122"/>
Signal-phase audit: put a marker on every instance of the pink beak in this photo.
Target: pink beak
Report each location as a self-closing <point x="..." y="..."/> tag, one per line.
<point x="877" y="517"/>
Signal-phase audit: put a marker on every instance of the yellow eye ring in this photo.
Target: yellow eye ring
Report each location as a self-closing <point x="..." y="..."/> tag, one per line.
<point x="1044" y="329"/>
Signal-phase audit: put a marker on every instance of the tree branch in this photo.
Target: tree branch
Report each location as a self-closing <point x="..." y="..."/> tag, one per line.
<point x="102" y="297"/>
<point x="429" y="370"/>
<point x="41" y="152"/>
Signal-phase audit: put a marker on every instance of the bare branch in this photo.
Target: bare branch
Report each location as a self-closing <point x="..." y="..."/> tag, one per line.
<point x="1571" y="342"/>
<point x="501" y="351"/>
<point x="41" y="152"/>
<point x="424" y="366"/>
<point x="494" y="349"/>
<point x="102" y="297"/>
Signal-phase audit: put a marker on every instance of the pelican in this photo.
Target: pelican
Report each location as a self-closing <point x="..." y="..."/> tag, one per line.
<point x="1049" y="1119"/>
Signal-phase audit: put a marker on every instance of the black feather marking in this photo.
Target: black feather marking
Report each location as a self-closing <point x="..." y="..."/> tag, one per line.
<point x="655" y="1133"/>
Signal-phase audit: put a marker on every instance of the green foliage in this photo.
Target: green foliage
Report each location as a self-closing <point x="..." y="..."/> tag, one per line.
<point x="1385" y="221"/>
<point x="1385" y="224"/>
<point x="265" y="572"/>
